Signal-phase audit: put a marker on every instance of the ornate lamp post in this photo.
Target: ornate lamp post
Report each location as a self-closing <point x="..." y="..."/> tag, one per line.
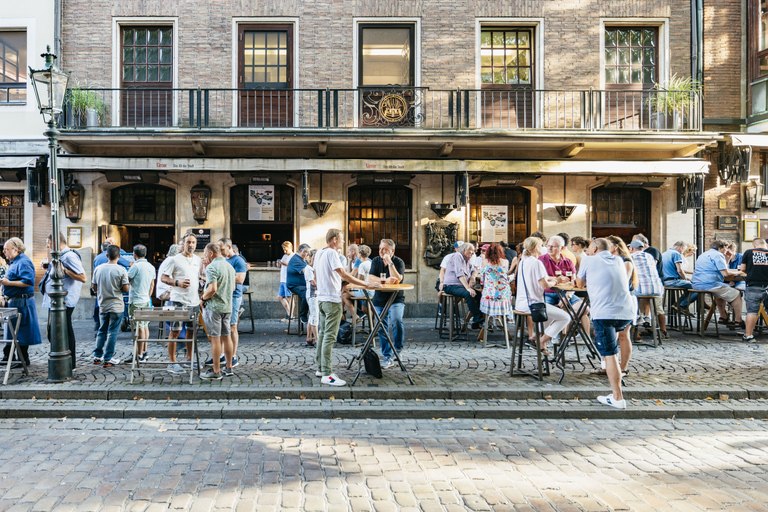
<point x="50" y="86"/>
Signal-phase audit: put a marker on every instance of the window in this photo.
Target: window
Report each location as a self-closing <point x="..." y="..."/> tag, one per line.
<point x="623" y="212"/>
<point x="517" y="199"/>
<point x="11" y="215"/>
<point x="143" y="205"/>
<point x="265" y="75"/>
<point x="762" y="41"/>
<point x="147" y="69"/>
<point x="631" y="57"/>
<point x="13" y="66"/>
<point x="386" y="55"/>
<point x="507" y="77"/>
<point x="377" y="212"/>
<point x="260" y="241"/>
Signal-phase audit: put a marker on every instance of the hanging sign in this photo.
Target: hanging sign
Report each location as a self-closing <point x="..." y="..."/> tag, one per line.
<point x="494" y="223"/>
<point x="261" y="202"/>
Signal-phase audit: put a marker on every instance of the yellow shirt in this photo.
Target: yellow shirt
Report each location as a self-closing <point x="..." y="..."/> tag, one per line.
<point x="568" y="254"/>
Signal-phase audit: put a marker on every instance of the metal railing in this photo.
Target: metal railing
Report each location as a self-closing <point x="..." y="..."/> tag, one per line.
<point x="399" y="108"/>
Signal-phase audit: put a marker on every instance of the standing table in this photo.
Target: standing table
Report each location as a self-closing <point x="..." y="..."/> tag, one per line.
<point x="574" y="328"/>
<point x="6" y="315"/>
<point x="374" y="331"/>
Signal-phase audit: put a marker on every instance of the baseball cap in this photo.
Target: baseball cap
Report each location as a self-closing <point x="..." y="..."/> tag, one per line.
<point x="457" y="245"/>
<point x="485" y="247"/>
<point x="637" y="244"/>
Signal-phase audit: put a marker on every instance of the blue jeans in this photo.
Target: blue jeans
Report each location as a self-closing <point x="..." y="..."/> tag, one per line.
<point x="687" y="298"/>
<point x="606" y="340"/>
<point x="553" y="299"/>
<point x="108" y="327"/>
<point x="473" y="303"/>
<point x="395" y="316"/>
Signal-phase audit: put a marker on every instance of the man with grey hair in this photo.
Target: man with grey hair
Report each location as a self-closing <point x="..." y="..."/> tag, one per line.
<point x="295" y="278"/>
<point x="394" y="268"/>
<point x="674" y="276"/>
<point x="459" y="278"/>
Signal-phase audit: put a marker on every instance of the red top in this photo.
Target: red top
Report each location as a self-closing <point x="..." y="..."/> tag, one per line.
<point x="564" y="265"/>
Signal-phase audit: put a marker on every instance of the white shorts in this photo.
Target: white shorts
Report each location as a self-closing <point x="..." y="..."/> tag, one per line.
<point x="314" y="316"/>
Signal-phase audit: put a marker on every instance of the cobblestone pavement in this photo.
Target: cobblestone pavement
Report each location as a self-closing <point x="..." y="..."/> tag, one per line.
<point x="272" y="360"/>
<point x="399" y="465"/>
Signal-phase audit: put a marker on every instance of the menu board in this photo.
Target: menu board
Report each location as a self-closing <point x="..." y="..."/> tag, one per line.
<point x="493" y="226"/>
<point x="261" y="202"/>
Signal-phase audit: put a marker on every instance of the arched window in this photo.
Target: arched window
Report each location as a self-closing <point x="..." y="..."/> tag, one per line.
<point x="516" y="199"/>
<point x="259" y="241"/>
<point x="623" y="212"/>
<point x="377" y="212"/>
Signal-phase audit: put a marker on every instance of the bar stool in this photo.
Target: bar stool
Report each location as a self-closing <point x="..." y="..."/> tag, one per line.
<point x="455" y="307"/>
<point x="295" y="308"/>
<point x="501" y="319"/>
<point x="518" y="343"/>
<point x="368" y="316"/>
<point x="654" y="320"/>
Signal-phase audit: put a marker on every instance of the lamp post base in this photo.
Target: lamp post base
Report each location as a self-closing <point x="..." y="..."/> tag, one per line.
<point x="59" y="365"/>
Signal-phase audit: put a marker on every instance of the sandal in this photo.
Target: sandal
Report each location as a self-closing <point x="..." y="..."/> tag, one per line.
<point x="624" y="373"/>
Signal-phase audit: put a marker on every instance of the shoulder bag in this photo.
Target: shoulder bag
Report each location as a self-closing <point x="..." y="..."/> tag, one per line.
<point x="538" y="309"/>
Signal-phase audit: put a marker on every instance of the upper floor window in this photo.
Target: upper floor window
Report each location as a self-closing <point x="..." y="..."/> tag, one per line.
<point x="147" y="72"/>
<point x="13" y="66"/>
<point x="762" y="42"/>
<point x="386" y="55"/>
<point x="506" y="56"/>
<point x="631" y="57"/>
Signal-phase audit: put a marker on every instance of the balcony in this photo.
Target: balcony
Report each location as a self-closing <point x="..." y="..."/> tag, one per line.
<point x="390" y="108"/>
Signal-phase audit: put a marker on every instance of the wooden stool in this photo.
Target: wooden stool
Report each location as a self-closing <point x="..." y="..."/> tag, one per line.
<point x="702" y="319"/>
<point x="654" y="320"/>
<point x="518" y="343"/>
<point x="484" y="332"/>
<point x="676" y="319"/>
<point x="453" y="305"/>
<point x="295" y="308"/>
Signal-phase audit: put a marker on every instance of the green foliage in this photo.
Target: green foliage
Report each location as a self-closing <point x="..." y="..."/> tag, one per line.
<point x="675" y="95"/>
<point x="80" y="101"/>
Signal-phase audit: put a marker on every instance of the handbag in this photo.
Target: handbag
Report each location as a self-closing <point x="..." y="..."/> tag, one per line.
<point x="372" y="364"/>
<point x="538" y="309"/>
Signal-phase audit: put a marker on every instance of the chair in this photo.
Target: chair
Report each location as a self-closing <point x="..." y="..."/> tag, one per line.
<point x="454" y="319"/>
<point x="295" y="309"/>
<point x="163" y="315"/>
<point x="675" y="318"/>
<point x="518" y="343"/>
<point x="702" y="319"/>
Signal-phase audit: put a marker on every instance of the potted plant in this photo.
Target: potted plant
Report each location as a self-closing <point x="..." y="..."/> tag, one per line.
<point x="670" y="103"/>
<point x="85" y="108"/>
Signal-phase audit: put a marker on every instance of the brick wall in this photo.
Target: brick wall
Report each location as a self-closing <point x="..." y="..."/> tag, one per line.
<point x="714" y="191"/>
<point x="722" y="59"/>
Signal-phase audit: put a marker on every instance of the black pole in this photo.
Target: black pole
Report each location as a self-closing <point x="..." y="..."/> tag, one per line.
<point x="59" y="358"/>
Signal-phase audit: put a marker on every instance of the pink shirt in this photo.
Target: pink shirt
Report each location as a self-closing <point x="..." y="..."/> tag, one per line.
<point x="564" y="265"/>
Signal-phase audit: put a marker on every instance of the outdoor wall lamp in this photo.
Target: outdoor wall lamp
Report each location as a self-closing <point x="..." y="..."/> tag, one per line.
<point x="201" y="199"/>
<point x="73" y="205"/>
<point x="753" y="195"/>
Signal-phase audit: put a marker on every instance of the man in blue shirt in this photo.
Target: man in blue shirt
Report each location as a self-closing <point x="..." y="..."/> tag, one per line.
<point x="295" y="278"/>
<point x="711" y="269"/>
<point x="100" y="259"/>
<point x="674" y="276"/>
<point x="19" y="289"/>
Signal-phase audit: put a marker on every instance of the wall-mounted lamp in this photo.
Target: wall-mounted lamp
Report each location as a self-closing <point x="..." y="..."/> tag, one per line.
<point x="201" y="199"/>
<point x="753" y="195"/>
<point x="320" y="206"/>
<point x="565" y="210"/>
<point x="73" y="205"/>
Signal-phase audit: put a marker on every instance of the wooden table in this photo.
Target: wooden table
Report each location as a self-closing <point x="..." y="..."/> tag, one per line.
<point x="369" y="301"/>
<point x="574" y="328"/>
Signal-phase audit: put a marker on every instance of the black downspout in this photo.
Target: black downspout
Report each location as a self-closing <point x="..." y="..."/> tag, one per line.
<point x="697" y="50"/>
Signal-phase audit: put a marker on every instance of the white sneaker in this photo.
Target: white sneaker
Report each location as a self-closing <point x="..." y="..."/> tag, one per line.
<point x="333" y="380"/>
<point x="609" y="400"/>
<point x="318" y="373"/>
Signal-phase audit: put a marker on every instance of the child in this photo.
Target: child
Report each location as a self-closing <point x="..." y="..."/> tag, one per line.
<point x="314" y="317"/>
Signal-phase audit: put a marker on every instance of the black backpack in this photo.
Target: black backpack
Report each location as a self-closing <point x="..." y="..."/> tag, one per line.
<point x="372" y="364"/>
<point x="345" y="334"/>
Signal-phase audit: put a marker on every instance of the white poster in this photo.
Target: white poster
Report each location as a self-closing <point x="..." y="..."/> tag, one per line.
<point x="493" y="226"/>
<point x="261" y="202"/>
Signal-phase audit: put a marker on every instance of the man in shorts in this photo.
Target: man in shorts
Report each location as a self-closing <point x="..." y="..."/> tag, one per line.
<point x="755" y="264"/>
<point x="141" y="276"/>
<point x="710" y="272"/>
<point x="241" y="269"/>
<point x="611" y="308"/>
<point x="217" y="302"/>
<point x="183" y="276"/>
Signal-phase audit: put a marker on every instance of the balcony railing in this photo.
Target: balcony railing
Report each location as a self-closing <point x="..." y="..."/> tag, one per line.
<point x="420" y="108"/>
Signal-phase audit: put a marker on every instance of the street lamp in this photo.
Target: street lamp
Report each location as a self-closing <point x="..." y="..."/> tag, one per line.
<point x="50" y="85"/>
<point x="753" y="195"/>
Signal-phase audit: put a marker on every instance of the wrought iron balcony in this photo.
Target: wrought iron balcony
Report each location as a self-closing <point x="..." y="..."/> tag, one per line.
<point x="396" y="108"/>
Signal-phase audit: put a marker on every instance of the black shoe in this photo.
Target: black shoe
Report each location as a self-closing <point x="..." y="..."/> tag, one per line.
<point x="16" y="366"/>
<point x="475" y="326"/>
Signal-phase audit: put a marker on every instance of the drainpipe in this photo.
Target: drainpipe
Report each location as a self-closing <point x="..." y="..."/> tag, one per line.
<point x="57" y="32"/>
<point x="697" y="57"/>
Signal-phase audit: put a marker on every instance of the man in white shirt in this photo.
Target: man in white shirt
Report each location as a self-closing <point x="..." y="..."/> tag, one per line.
<point x="611" y="308"/>
<point x="329" y="272"/>
<point x="183" y="276"/>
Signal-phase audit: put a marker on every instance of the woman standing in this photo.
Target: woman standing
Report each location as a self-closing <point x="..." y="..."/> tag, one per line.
<point x="283" y="294"/>
<point x="497" y="297"/>
<point x="19" y="288"/>
<point x="532" y="280"/>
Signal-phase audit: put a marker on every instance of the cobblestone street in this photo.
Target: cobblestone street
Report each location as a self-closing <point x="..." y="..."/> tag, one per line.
<point x="403" y="465"/>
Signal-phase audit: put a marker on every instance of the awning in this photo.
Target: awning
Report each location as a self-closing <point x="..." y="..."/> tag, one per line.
<point x="17" y="162"/>
<point x="754" y="140"/>
<point x="677" y="167"/>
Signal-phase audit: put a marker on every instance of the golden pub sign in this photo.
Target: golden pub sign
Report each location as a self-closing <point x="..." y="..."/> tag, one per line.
<point x="393" y="107"/>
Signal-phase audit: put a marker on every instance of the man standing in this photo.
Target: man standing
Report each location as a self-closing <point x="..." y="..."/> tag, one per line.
<point x="141" y="276"/>
<point x="295" y="278"/>
<point x="459" y="276"/>
<point x="329" y="273"/>
<point x="240" y="266"/>
<point x="19" y="290"/>
<point x="110" y="281"/>
<point x="649" y="282"/>
<point x="100" y="259"/>
<point x="183" y="275"/>
<point x="675" y="276"/>
<point x="755" y="263"/>
<point x="74" y="277"/>
<point x="394" y="268"/>
<point x="612" y="310"/>
<point x="217" y="301"/>
<point x="711" y="269"/>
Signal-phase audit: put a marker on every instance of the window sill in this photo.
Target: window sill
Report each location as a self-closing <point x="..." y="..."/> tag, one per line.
<point x="12" y="103"/>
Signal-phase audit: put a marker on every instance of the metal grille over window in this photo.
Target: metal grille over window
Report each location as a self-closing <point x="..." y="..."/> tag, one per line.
<point x="13" y="67"/>
<point x="143" y="205"/>
<point x="381" y="212"/>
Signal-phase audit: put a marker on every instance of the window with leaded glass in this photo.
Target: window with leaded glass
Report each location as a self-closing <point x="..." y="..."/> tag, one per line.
<point x="623" y="212"/>
<point x="376" y="213"/>
<point x="143" y="205"/>
<point x="631" y="57"/>
<point x="13" y="66"/>
<point x="506" y="56"/>
<point x="518" y="202"/>
<point x="146" y="65"/>
<point x="11" y="215"/>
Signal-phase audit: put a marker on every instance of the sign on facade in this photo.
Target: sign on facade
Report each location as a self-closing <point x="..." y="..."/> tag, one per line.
<point x="261" y="202"/>
<point x="493" y="225"/>
<point x="203" y="236"/>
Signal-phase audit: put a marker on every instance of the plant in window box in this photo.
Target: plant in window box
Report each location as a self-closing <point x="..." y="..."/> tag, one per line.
<point x="671" y="103"/>
<point x="85" y="108"/>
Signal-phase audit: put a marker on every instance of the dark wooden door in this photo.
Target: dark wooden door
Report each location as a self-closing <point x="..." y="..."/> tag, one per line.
<point x="265" y="76"/>
<point x="623" y="212"/>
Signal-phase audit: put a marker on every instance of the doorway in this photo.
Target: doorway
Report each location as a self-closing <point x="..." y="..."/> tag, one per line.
<point x="157" y="239"/>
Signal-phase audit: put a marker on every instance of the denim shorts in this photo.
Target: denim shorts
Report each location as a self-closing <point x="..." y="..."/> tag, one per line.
<point x="606" y="341"/>
<point x="235" y="317"/>
<point x="753" y="296"/>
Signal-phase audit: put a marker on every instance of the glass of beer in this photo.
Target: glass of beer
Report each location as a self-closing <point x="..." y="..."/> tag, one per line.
<point x="383" y="278"/>
<point x="558" y="273"/>
<point x="568" y="274"/>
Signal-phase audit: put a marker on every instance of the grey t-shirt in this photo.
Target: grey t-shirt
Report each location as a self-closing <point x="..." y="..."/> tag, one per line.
<point x="109" y="279"/>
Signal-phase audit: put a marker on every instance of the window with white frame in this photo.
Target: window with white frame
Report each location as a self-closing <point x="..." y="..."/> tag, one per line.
<point x="13" y="66"/>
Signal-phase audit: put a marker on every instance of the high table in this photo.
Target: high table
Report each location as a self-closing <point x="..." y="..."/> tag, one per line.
<point x="574" y="328"/>
<point x="374" y="331"/>
<point x="6" y="315"/>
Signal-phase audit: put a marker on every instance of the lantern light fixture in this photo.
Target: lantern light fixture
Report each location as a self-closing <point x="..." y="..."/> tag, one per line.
<point x="201" y="200"/>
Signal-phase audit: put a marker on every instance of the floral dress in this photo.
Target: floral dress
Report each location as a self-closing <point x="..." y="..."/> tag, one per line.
<point x="496" y="299"/>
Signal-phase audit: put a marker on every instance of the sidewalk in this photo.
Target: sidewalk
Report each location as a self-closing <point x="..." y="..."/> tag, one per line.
<point x="454" y="377"/>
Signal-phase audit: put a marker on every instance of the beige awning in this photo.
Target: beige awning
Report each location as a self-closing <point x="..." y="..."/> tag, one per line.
<point x="755" y="140"/>
<point x="17" y="162"/>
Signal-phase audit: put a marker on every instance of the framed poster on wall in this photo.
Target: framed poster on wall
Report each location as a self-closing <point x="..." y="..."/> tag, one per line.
<point x="74" y="237"/>
<point x="493" y="226"/>
<point x="261" y="202"/>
